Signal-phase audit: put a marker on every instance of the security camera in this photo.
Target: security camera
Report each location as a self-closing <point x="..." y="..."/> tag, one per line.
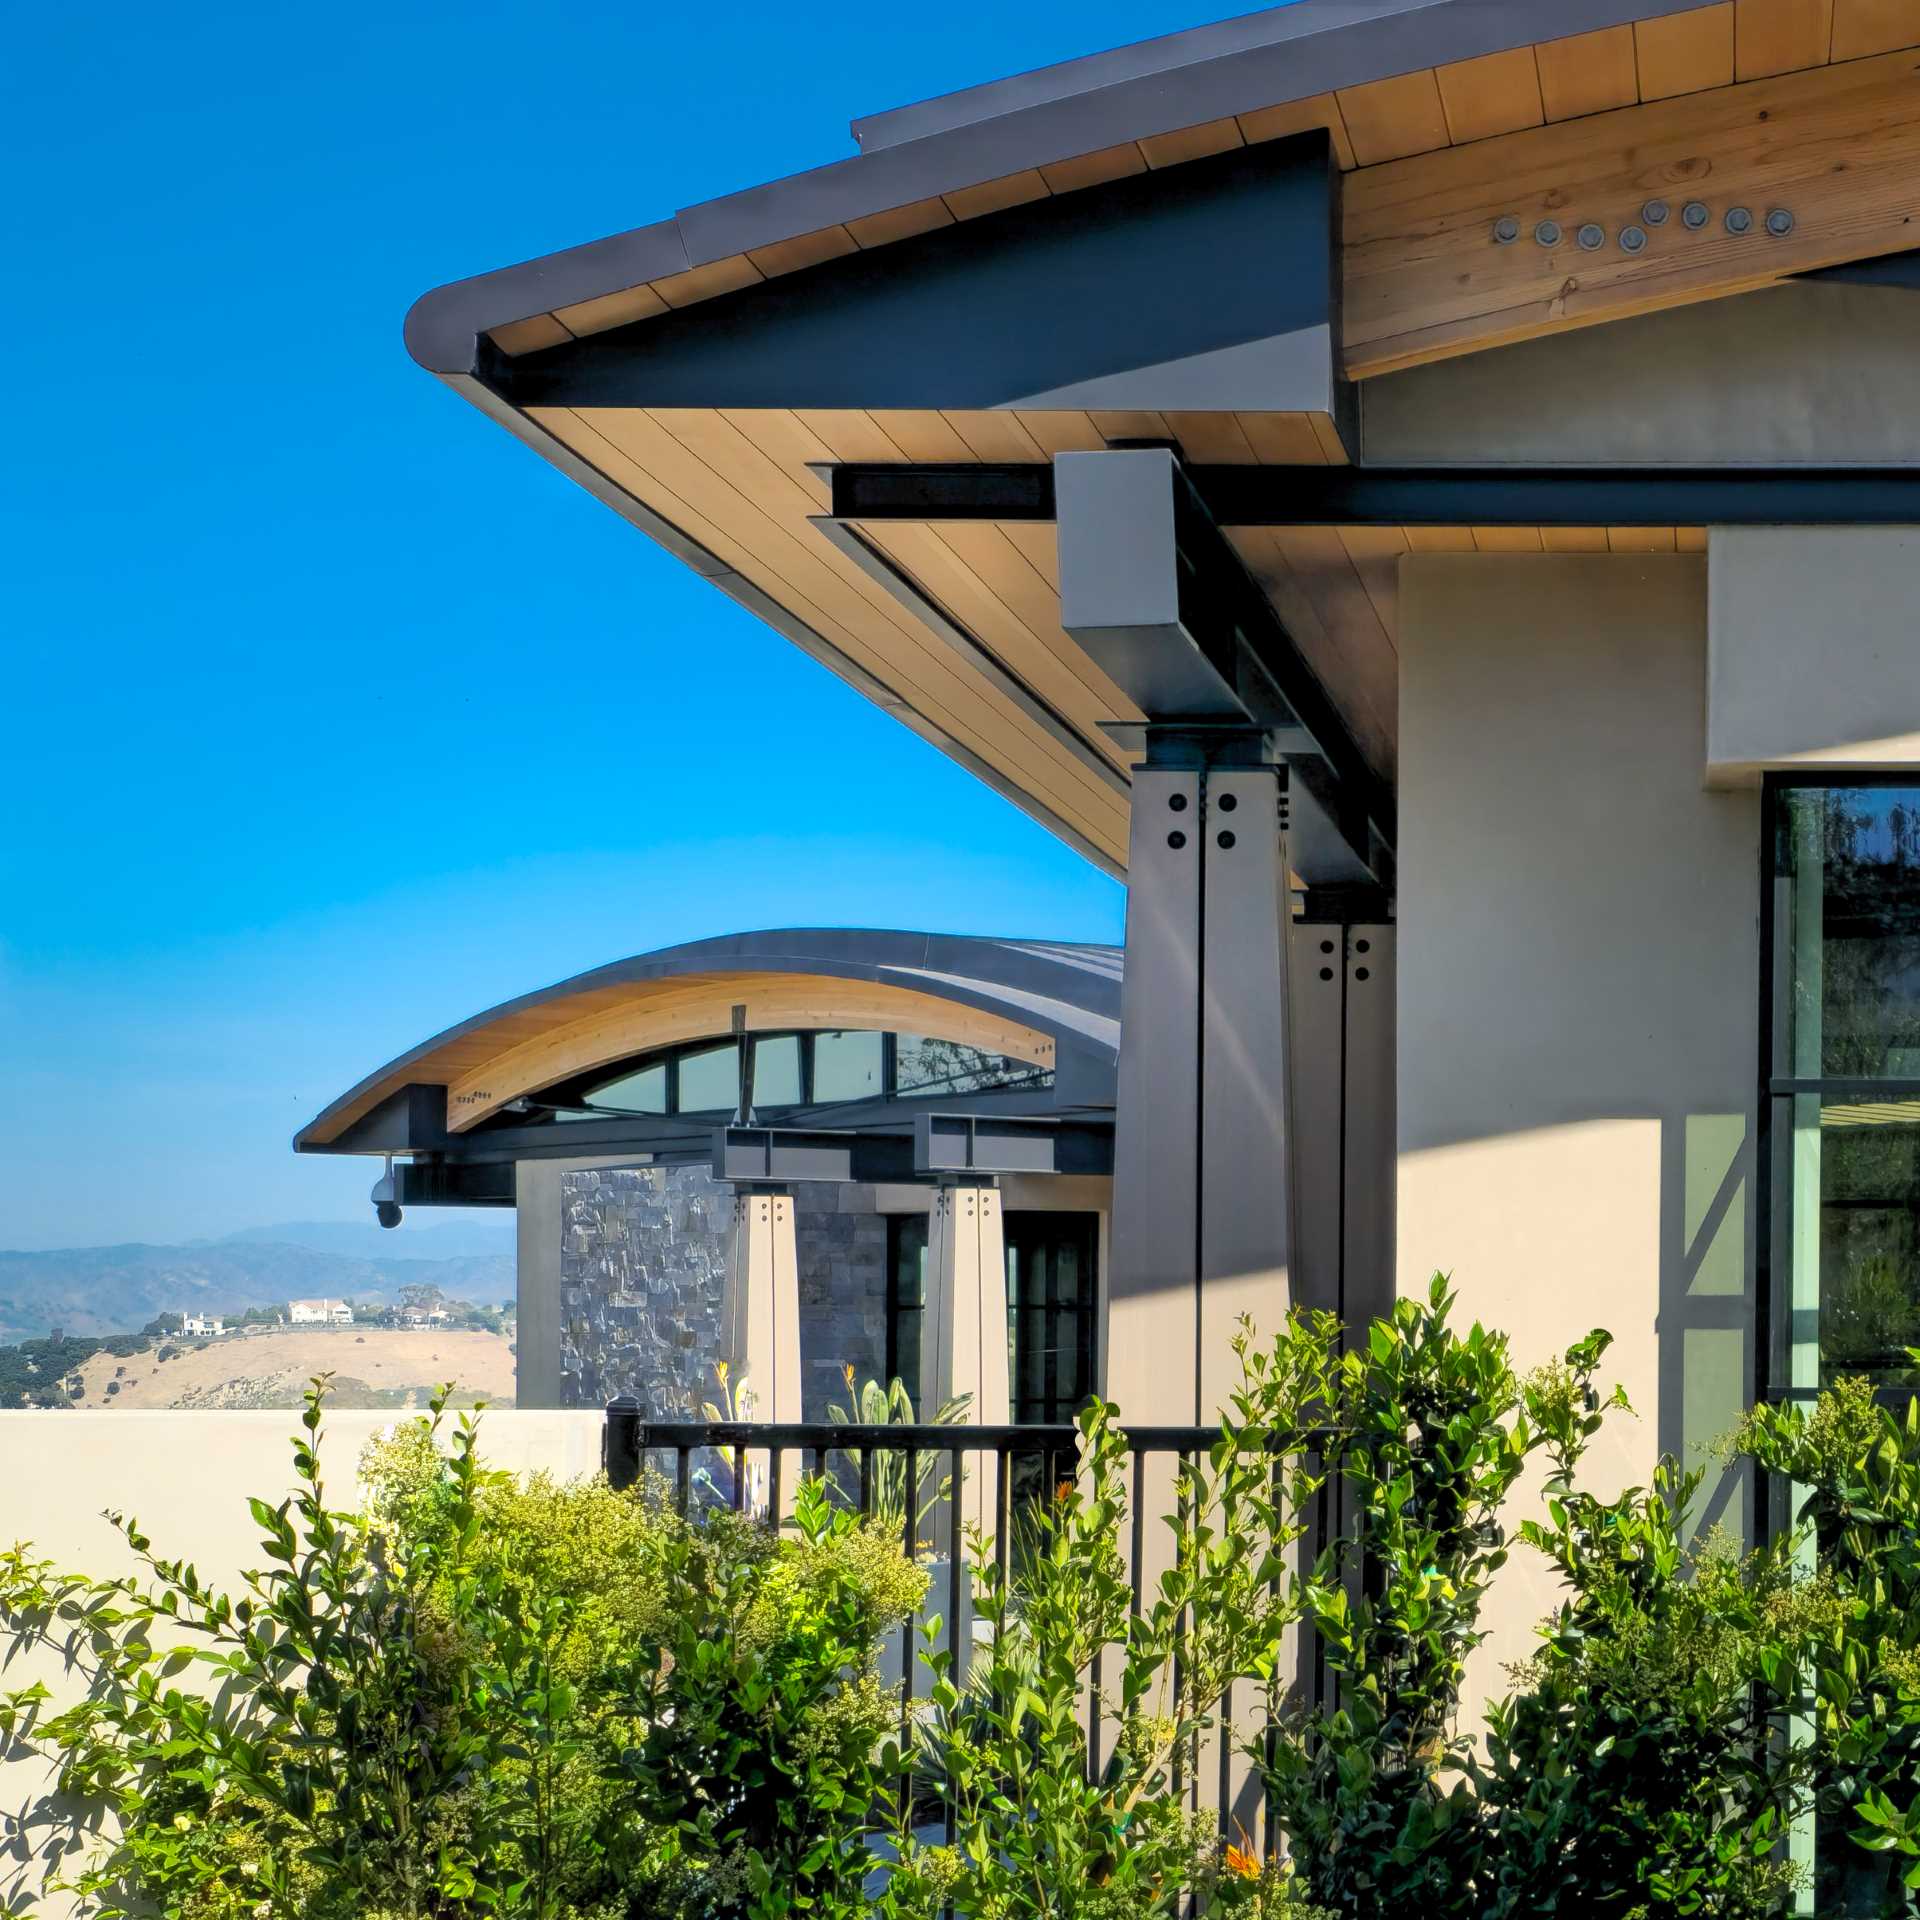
<point x="386" y="1197"/>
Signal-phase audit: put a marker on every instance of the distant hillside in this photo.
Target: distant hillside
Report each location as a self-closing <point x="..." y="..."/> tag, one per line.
<point x="93" y="1290"/>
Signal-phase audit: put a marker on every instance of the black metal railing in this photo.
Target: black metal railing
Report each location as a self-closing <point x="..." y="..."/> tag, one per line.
<point x="750" y="1467"/>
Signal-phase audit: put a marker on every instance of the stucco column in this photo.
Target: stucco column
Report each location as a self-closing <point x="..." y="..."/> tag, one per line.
<point x="762" y="1319"/>
<point x="963" y="1332"/>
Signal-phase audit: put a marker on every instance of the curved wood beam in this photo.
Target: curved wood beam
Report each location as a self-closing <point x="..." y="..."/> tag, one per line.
<point x="650" y="1015"/>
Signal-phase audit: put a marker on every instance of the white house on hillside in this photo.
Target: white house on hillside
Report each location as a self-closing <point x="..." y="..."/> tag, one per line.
<point x="320" y="1313"/>
<point x="203" y="1326"/>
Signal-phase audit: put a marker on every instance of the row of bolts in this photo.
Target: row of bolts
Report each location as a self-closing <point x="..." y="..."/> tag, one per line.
<point x="1633" y="239"/>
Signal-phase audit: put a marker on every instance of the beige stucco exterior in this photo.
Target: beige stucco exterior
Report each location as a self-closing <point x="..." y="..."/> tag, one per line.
<point x="1811" y="653"/>
<point x="185" y="1476"/>
<point x="1578" y="997"/>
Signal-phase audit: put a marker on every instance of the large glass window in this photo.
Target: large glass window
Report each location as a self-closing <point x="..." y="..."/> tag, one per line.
<point x="1843" y="1116"/>
<point x="1844" y="1082"/>
<point x="824" y="1069"/>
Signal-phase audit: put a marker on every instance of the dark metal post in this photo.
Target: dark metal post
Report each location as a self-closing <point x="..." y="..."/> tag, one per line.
<point x="623" y="1443"/>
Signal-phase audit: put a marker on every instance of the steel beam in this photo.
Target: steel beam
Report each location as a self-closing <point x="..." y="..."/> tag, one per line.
<point x="966" y="1143"/>
<point x="1425" y="496"/>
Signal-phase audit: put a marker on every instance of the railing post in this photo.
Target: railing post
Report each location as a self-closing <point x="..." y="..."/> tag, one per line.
<point x="623" y="1443"/>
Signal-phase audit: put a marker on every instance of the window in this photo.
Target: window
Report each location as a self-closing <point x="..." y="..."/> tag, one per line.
<point x="1052" y="1309"/>
<point x="1841" y="1100"/>
<point x="710" y="1080"/>
<point x="906" y="1301"/>
<point x="642" y="1092"/>
<point x="1844" y="1082"/>
<point x="790" y="1070"/>
<point x="776" y="1071"/>
<point x="1051" y="1312"/>
<point x="848" y="1066"/>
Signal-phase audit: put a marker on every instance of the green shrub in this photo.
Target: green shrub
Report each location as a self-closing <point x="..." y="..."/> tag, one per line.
<point x="475" y="1696"/>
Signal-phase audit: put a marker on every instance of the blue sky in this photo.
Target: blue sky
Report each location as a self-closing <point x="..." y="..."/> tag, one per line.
<point x="328" y="714"/>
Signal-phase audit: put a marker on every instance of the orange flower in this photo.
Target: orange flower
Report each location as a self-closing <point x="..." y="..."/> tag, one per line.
<point x="1242" y="1863"/>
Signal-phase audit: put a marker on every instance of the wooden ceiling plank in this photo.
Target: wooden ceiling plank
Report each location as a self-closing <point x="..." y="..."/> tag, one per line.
<point x="1780" y="36"/>
<point x="1837" y="145"/>
<point x="1192" y="143"/>
<point x="530" y="335"/>
<point x="1862" y="28"/>
<point x="1062" y="432"/>
<point x="924" y="434"/>
<point x="858" y="615"/>
<point x="707" y="282"/>
<point x="1439" y="539"/>
<point x="1094" y="169"/>
<point x="900" y="223"/>
<point x="1328" y="435"/>
<point x="611" y="310"/>
<point x="928" y="555"/>
<point x="803" y="250"/>
<point x="1282" y="439"/>
<point x="994" y="436"/>
<point x="1390" y="119"/>
<point x="1301" y="116"/>
<point x="793" y="447"/>
<point x="1640" y="540"/>
<point x="1496" y="93"/>
<point x="1690" y="539"/>
<point x="1587" y="73"/>
<point x="1684" y="52"/>
<point x="995" y="196"/>
<point x="1035" y="601"/>
<point x="1574" y="539"/>
<point x="1135" y="425"/>
<point x="1212" y="439"/>
<point x="1507" y="540"/>
<point x="1039" y="545"/>
<point x="850" y="435"/>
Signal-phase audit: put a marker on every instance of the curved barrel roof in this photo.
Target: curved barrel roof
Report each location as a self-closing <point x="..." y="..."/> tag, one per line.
<point x="1054" y="1003"/>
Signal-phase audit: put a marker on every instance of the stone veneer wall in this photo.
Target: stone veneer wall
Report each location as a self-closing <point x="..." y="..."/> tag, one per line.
<point x="643" y="1268"/>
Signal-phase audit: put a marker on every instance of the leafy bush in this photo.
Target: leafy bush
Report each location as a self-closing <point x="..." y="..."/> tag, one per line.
<point x="474" y="1697"/>
<point x="1039" y="1830"/>
<point x="1855" y="1466"/>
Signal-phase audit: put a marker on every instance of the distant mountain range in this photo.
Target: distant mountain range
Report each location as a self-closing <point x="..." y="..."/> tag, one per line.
<point x="90" y="1290"/>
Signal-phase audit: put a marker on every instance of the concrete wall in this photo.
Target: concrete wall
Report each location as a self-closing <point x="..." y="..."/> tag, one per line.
<point x="1578" y="995"/>
<point x="1812" y="652"/>
<point x="186" y="1477"/>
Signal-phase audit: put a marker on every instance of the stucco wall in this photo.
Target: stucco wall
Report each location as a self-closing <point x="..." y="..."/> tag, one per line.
<point x="1812" y="652"/>
<point x="186" y="1477"/>
<point x="1578" y="995"/>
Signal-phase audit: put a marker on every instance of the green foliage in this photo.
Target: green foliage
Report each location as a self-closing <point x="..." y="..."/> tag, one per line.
<point x="1041" y="1833"/>
<point x="476" y="1696"/>
<point x="1636" y="1771"/>
<point x="762" y="1717"/>
<point x="873" y="1405"/>
<point x="1855" y="1466"/>
<point x="32" y="1372"/>
<point x="1428" y="1430"/>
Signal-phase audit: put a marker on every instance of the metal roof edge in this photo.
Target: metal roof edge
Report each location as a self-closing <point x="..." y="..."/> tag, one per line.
<point x="1341" y="43"/>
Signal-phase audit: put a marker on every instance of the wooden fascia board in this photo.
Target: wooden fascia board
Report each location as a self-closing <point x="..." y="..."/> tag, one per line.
<point x="1424" y="277"/>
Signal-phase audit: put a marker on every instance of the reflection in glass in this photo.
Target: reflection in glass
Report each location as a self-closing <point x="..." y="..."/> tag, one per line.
<point x="776" y="1071"/>
<point x="1852" y="857"/>
<point x="710" y="1079"/>
<point x="923" y="1064"/>
<point x="1867" y="1204"/>
<point x="847" y="1066"/>
<point x="642" y="1092"/>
